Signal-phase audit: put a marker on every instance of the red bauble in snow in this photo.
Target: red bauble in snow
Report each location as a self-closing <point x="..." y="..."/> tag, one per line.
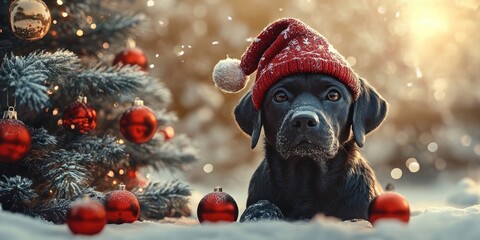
<point x="80" y="117"/>
<point x="86" y="216"/>
<point x="167" y="132"/>
<point x="217" y="206"/>
<point x="133" y="56"/>
<point x="389" y="205"/>
<point x="138" y="124"/>
<point x="122" y="206"/>
<point x="15" y="138"/>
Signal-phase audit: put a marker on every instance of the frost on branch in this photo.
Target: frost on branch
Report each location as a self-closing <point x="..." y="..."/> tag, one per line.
<point x="65" y="173"/>
<point x="27" y="75"/>
<point x="104" y="151"/>
<point x="16" y="193"/>
<point x="172" y="154"/>
<point x="159" y="200"/>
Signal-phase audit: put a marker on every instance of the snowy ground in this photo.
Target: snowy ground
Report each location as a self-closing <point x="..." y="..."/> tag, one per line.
<point x="427" y="222"/>
<point x="434" y="223"/>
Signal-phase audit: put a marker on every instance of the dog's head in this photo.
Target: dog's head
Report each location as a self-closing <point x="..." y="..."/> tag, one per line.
<point x="311" y="115"/>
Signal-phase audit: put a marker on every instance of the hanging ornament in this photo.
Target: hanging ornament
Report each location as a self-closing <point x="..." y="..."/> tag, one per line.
<point x="122" y="206"/>
<point x="217" y="206"/>
<point x="79" y="117"/>
<point x="132" y="56"/>
<point x="389" y="205"/>
<point x="138" y="124"/>
<point x="15" y="138"/>
<point x="86" y="216"/>
<point x="29" y="20"/>
<point x="167" y="132"/>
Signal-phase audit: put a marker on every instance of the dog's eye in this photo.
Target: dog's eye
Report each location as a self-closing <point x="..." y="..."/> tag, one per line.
<point x="333" y="95"/>
<point x="280" y="96"/>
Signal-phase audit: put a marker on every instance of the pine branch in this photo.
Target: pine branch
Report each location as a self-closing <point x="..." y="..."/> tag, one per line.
<point x="159" y="200"/>
<point x="16" y="193"/>
<point x="116" y="27"/>
<point x="156" y="92"/>
<point x="164" y="117"/>
<point x="54" y="211"/>
<point x="66" y="173"/>
<point x="173" y="154"/>
<point x="42" y="144"/>
<point x="177" y="152"/>
<point x="58" y="63"/>
<point x="94" y="194"/>
<point x="103" y="82"/>
<point x="27" y="76"/>
<point x="103" y="151"/>
<point x="41" y="139"/>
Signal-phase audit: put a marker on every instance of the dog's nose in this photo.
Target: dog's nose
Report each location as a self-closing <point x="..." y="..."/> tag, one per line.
<point x="305" y="120"/>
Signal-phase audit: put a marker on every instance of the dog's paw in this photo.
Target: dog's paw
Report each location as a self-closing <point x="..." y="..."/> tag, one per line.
<point x="262" y="210"/>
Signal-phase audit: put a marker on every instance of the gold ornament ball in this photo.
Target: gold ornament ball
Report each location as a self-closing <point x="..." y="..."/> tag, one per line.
<point x="29" y="20"/>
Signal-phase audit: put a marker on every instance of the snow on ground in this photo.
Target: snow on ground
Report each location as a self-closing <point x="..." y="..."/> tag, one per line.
<point x="465" y="194"/>
<point x="434" y="223"/>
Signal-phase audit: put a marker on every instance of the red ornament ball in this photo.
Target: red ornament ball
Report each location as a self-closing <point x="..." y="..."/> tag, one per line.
<point x="133" y="56"/>
<point x="79" y="117"/>
<point x="15" y="140"/>
<point x="138" y="124"/>
<point x="122" y="206"/>
<point x="168" y="133"/>
<point x="217" y="206"/>
<point x="389" y="205"/>
<point x="86" y="216"/>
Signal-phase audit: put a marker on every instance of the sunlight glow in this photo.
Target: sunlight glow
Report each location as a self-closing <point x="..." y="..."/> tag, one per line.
<point x="428" y="21"/>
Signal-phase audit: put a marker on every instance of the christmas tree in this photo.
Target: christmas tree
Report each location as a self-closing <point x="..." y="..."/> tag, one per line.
<point x="57" y="78"/>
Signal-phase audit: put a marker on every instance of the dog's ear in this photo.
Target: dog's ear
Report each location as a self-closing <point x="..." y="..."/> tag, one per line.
<point x="248" y="118"/>
<point x="369" y="110"/>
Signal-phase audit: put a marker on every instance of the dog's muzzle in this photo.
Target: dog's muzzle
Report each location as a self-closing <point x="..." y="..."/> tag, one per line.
<point x="305" y="121"/>
<point x="306" y="133"/>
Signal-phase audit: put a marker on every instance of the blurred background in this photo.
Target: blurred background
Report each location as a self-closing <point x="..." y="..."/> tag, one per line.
<point x="422" y="56"/>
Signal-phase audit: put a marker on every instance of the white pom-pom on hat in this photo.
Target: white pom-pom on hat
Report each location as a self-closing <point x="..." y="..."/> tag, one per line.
<point x="229" y="76"/>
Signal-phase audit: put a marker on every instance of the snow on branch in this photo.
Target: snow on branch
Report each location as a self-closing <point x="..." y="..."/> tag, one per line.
<point x="116" y="27"/>
<point x="164" y="117"/>
<point x="41" y="139"/>
<point x="107" y="82"/>
<point x="159" y="200"/>
<point x="177" y="153"/>
<point x="172" y="154"/>
<point x="16" y="193"/>
<point x="26" y="76"/>
<point x="155" y="91"/>
<point x="102" y="150"/>
<point x="42" y="144"/>
<point x="66" y="173"/>
<point x="54" y="211"/>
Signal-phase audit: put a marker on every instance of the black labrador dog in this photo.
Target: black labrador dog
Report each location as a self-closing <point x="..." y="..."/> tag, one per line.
<point x="312" y="163"/>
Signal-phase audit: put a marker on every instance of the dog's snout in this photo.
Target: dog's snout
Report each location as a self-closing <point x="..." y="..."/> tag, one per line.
<point x="305" y="120"/>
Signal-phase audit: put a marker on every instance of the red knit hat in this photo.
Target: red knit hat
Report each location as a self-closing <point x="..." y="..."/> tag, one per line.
<point x="285" y="47"/>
